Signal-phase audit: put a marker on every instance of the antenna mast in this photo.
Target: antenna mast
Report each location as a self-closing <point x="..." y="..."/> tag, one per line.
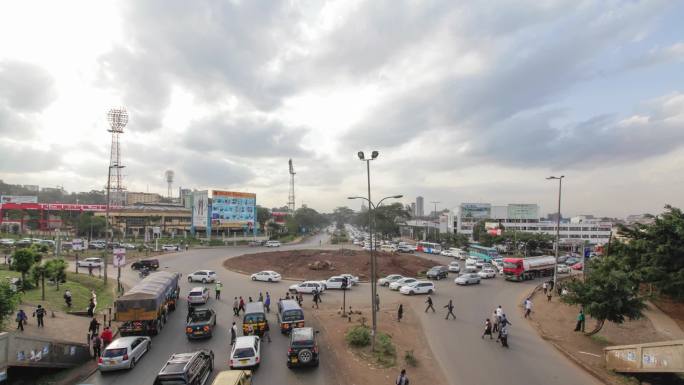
<point x="169" y="180"/>
<point x="117" y="118"/>
<point x="291" y="196"/>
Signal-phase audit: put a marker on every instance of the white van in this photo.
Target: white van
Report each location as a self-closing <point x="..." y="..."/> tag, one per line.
<point x="388" y="248"/>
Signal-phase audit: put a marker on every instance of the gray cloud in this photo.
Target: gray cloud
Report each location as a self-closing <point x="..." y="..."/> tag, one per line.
<point x="203" y="170"/>
<point x="18" y="158"/>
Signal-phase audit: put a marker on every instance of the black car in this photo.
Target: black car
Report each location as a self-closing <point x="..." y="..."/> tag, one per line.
<point x="187" y="368"/>
<point x="201" y="323"/>
<point x="151" y="264"/>
<point x="303" y="349"/>
<point x="437" y="272"/>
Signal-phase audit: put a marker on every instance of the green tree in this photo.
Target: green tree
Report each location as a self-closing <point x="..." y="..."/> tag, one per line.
<point x="8" y="302"/>
<point x="23" y="260"/>
<point x="56" y="271"/>
<point x="609" y="292"/>
<point x="38" y="273"/>
<point x="263" y="215"/>
<point x="309" y="219"/>
<point x="87" y="222"/>
<point x="342" y="215"/>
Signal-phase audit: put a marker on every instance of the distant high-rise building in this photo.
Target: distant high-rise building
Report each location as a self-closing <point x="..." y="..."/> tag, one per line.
<point x="420" y="210"/>
<point x="413" y="209"/>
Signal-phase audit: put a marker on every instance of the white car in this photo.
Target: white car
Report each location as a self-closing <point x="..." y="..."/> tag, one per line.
<point x="467" y="279"/>
<point x="198" y="296"/>
<point x="479" y="263"/>
<point x="336" y="282"/>
<point x="90" y="262"/>
<point x="266" y="276"/>
<point x="563" y="269"/>
<point x="204" y="276"/>
<point x="307" y="287"/>
<point x="170" y="248"/>
<point x="471" y="262"/>
<point x="272" y="244"/>
<point x="447" y="253"/>
<point x="396" y="285"/>
<point x="454" y="267"/>
<point x="487" y="273"/>
<point x="389" y="279"/>
<point x="7" y="242"/>
<point x="352" y="278"/>
<point x="246" y="352"/>
<point x="123" y="353"/>
<point x="128" y="246"/>
<point x="419" y="287"/>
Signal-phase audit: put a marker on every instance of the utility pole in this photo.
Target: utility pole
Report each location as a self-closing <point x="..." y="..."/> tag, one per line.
<point x="436" y="220"/>
<point x="558" y="215"/>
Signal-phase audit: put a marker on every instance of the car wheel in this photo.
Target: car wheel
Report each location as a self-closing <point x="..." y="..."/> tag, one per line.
<point x="430" y="291"/>
<point x="149" y="346"/>
<point x="305" y="356"/>
<point x="132" y="365"/>
<point x="189" y="279"/>
<point x="253" y="278"/>
<point x="411" y="292"/>
<point x="204" y="280"/>
<point x="270" y="280"/>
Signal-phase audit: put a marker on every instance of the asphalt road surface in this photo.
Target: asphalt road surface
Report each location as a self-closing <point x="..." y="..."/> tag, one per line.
<point x="465" y="358"/>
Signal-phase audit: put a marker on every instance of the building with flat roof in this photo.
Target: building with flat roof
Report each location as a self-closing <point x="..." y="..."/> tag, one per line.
<point x="420" y="207"/>
<point x="133" y="198"/>
<point x="136" y="220"/>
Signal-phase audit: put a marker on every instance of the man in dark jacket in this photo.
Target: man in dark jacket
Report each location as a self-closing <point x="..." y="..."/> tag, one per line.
<point x="428" y="301"/>
<point x="39" y="314"/>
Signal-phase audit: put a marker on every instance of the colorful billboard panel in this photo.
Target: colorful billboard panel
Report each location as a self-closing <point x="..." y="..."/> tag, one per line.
<point x="200" y="208"/>
<point x="231" y="209"/>
<point x="18" y="199"/>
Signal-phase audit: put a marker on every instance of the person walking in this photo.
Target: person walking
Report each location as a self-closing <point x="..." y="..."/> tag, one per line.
<point x="217" y="289"/>
<point x="106" y="337"/>
<point x="94" y="327"/>
<point x="495" y="322"/>
<point x="315" y="299"/>
<point x="261" y="297"/>
<point x="233" y="334"/>
<point x="428" y="301"/>
<point x="300" y="299"/>
<point x="487" y="329"/>
<point x="450" y="309"/>
<point x="504" y="321"/>
<point x="580" y="321"/>
<point x="90" y="270"/>
<point x="499" y="312"/>
<point x="403" y="378"/>
<point x="241" y="306"/>
<point x="503" y="337"/>
<point x="93" y="297"/>
<point x="267" y="333"/>
<point x="96" y="343"/>
<point x="377" y="302"/>
<point x="21" y="319"/>
<point x="287" y="295"/>
<point x="400" y="313"/>
<point x="39" y="314"/>
<point x="67" y="298"/>
<point x="236" y="307"/>
<point x="548" y="295"/>
<point x="528" y="307"/>
<point x="91" y="308"/>
<point x="267" y="303"/>
<point x="545" y="287"/>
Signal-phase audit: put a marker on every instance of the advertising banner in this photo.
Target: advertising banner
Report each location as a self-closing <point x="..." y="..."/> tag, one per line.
<point x="119" y="257"/>
<point x="233" y="209"/>
<point x="200" y="208"/>
<point x="18" y="199"/>
<point x="78" y="244"/>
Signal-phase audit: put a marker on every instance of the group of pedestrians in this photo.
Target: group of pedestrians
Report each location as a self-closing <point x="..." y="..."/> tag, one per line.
<point x="38" y="314"/>
<point x="239" y="303"/>
<point x="99" y="341"/>
<point x="449" y="307"/>
<point x="497" y="324"/>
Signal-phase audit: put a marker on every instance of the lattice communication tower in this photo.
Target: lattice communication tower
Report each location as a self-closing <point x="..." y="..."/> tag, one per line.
<point x="169" y="180"/>
<point x="117" y="118"/>
<point x="291" y="196"/>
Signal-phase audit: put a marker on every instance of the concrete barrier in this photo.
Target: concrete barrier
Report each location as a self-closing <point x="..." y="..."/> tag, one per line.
<point x="43" y="352"/>
<point x="653" y="357"/>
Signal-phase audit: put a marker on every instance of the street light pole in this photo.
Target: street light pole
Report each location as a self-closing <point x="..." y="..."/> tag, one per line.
<point x="104" y="257"/>
<point x="558" y="214"/>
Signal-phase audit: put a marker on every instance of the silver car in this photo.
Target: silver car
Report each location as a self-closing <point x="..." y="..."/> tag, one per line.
<point x="198" y="296"/>
<point x="123" y="353"/>
<point x="467" y="279"/>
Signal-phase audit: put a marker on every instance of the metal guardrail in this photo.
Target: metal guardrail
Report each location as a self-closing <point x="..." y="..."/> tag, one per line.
<point x="652" y="357"/>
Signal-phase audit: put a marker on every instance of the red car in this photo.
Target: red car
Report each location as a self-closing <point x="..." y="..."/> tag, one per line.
<point x="577" y="266"/>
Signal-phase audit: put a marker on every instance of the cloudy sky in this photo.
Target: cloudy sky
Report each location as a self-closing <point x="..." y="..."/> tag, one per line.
<point x="467" y="101"/>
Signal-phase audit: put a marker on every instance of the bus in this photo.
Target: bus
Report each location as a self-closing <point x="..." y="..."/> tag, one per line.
<point x="429" y="247"/>
<point x="480" y="252"/>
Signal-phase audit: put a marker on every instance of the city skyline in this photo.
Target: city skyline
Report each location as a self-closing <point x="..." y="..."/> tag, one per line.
<point x="465" y="102"/>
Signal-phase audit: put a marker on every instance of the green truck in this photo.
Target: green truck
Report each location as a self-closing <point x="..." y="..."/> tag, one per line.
<point x="145" y="307"/>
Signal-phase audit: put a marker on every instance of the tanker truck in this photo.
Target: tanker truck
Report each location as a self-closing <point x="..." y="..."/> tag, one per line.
<point x="521" y="269"/>
<point x="145" y="307"/>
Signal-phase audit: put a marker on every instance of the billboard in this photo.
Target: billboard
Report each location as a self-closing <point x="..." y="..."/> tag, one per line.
<point x="119" y="257"/>
<point x="18" y="199"/>
<point x="523" y="211"/>
<point x="476" y="210"/>
<point x="231" y="209"/>
<point x="200" y="208"/>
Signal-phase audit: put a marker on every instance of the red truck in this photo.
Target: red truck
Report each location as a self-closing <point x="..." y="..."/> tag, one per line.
<point x="521" y="269"/>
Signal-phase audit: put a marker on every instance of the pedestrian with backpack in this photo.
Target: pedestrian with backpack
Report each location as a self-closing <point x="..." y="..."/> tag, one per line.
<point x="428" y="301"/>
<point x="450" y="309"/>
<point x="403" y="378"/>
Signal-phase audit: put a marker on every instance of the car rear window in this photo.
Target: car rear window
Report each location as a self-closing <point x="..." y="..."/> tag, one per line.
<point x="243" y="353"/>
<point x="199" y="316"/>
<point x="195" y="293"/>
<point x="170" y="381"/>
<point x="293" y="315"/>
<point x="114" y="352"/>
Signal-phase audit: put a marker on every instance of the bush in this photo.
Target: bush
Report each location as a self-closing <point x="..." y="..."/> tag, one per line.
<point x="410" y="359"/>
<point x="385" y="352"/>
<point x="358" y="336"/>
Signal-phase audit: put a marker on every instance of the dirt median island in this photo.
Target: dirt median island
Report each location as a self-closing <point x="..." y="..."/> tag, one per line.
<point x="295" y="264"/>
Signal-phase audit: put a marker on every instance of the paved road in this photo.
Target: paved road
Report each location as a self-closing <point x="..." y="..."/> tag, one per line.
<point x="463" y="355"/>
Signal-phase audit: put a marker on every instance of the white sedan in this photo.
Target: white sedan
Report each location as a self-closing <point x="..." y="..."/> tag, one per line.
<point x="389" y="279"/>
<point x="170" y="247"/>
<point x="454" y="267"/>
<point x="336" y="282"/>
<point x="307" y="287"/>
<point x="563" y="269"/>
<point x="123" y="353"/>
<point x="266" y="276"/>
<point x="352" y="278"/>
<point x="467" y="279"/>
<point x="396" y="285"/>
<point x="487" y="273"/>
<point x="418" y="287"/>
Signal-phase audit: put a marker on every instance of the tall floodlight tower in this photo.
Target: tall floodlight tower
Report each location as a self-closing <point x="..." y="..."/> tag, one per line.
<point x="169" y="180"/>
<point x="291" y="196"/>
<point x="117" y="118"/>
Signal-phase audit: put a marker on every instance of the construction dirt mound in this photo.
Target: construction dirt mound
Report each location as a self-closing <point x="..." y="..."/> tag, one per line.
<point x="321" y="264"/>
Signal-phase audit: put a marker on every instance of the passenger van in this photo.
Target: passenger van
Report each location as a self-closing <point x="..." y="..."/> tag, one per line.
<point x="290" y="315"/>
<point x="388" y="248"/>
<point x="233" y="377"/>
<point x="255" y="316"/>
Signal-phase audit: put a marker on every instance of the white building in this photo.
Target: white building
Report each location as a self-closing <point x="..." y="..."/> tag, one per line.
<point x="525" y="218"/>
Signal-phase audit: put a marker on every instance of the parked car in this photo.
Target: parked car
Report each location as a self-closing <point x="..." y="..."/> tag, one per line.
<point x="467" y="279"/>
<point x="204" y="276"/>
<point x="201" y="324"/>
<point x="454" y="267"/>
<point x="7" y="242"/>
<point x="389" y="279"/>
<point x="266" y="276"/>
<point x="352" y="278"/>
<point x="97" y="245"/>
<point x="336" y="282"/>
<point x="479" y="263"/>
<point x="246" y="352"/>
<point x="152" y="264"/>
<point x="170" y="248"/>
<point x="396" y="285"/>
<point x="272" y="244"/>
<point x="123" y="353"/>
<point x="487" y="273"/>
<point x="405" y="249"/>
<point x="578" y="266"/>
<point x="91" y="262"/>
<point x="572" y="260"/>
<point x="187" y="368"/>
<point x="303" y="349"/>
<point x="198" y="296"/>
<point x="307" y="287"/>
<point x="437" y="272"/>
<point x="128" y="246"/>
<point x="419" y="287"/>
<point x="563" y="269"/>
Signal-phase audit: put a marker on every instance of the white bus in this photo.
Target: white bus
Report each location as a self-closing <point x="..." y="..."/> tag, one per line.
<point x="429" y="247"/>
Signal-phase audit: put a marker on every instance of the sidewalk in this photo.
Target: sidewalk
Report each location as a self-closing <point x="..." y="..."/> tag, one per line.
<point x="662" y="322"/>
<point x="58" y="326"/>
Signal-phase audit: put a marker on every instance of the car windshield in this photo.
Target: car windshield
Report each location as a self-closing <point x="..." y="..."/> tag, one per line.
<point x="293" y="315"/>
<point x="255" y="317"/>
<point x="114" y="352"/>
<point x="200" y="316"/>
<point x="302" y="337"/>
<point x="195" y="294"/>
<point x="171" y="381"/>
<point x="243" y="353"/>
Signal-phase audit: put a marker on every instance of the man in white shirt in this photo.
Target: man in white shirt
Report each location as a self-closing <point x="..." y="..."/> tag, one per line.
<point x="528" y="307"/>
